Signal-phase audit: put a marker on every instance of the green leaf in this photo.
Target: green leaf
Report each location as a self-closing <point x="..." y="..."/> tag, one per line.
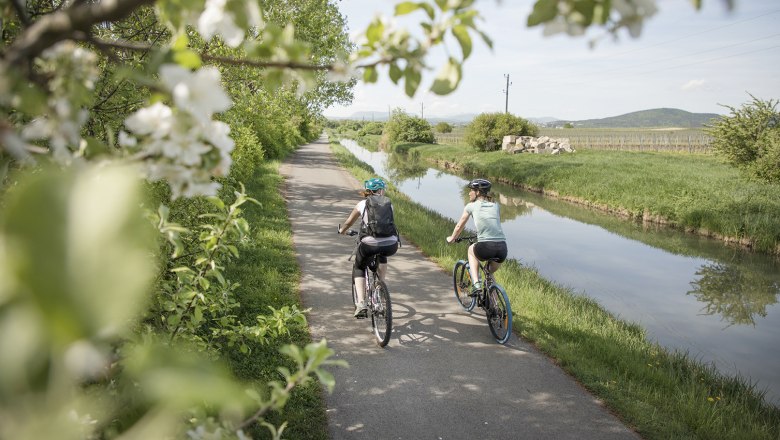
<point x="375" y="31"/>
<point x="71" y="230"/>
<point x="370" y="75"/>
<point x="544" y="11"/>
<point x="395" y="73"/>
<point x="412" y="77"/>
<point x="406" y="8"/>
<point x="462" y="35"/>
<point x="586" y="9"/>
<point x="188" y="59"/>
<point x="448" y="78"/>
<point x="428" y="10"/>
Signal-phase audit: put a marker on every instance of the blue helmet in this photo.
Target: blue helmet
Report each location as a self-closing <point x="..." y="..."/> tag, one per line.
<point x="374" y="184"/>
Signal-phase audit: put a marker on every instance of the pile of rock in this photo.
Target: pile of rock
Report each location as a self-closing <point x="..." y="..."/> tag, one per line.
<point x="530" y="144"/>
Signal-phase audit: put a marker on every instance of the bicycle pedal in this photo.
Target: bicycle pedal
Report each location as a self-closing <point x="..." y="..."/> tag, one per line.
<point x="362" y="315"/>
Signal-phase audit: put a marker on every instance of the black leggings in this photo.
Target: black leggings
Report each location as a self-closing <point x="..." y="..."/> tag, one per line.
<point x="364" y="253"/>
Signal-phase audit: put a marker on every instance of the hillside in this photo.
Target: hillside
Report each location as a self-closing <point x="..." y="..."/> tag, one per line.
<point x="659" y="117"/>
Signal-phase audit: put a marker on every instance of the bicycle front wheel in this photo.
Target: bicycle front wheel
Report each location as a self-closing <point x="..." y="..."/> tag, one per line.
<point x="499" y="314"/>
<point x="381" y="313"/>
<point x="461" y="279"/>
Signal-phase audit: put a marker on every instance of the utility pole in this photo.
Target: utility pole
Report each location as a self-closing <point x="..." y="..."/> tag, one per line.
<point x="422" y="110"/>
<point x="506" y="92"/>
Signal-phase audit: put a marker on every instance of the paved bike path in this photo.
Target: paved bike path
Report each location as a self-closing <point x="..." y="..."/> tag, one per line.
<point x="442" y="376"/>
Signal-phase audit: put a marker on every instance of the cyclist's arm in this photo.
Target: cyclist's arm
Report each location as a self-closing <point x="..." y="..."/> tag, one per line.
<point x="348" y="222"/>
<point x="459" y="226"/>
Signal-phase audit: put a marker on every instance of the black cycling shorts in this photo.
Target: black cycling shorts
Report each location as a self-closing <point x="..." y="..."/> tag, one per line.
<point x="365" y="251"/>
<point x="491" y="249"/>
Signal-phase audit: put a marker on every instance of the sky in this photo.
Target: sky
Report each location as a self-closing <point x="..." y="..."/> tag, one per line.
<point x="701" y="61"/>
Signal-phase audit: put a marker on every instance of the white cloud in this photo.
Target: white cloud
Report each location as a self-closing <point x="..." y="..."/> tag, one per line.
<point x="693" y="84"/>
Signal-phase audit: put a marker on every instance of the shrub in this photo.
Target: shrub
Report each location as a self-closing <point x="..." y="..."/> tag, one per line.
<point x="372" y="128"/>
<point x="487" y="130"/>
<point x="404" y="128"/>
<point x="443" y="127"/>
<point x="750" y="138"/>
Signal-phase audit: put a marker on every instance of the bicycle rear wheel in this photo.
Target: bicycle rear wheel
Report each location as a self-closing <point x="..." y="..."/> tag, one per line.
<point x="461" y="279"/>
<point x="381" y="313"/>
<point x="499" y="314"/>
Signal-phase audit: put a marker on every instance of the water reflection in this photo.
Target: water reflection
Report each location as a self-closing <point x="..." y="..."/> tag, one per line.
<point x="738" y="294"/>
<point x="717" y="303"/>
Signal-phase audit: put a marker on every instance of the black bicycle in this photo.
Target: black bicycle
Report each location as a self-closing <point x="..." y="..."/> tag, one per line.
<point x="491" y="298"/>
<point x="377" y="297"/>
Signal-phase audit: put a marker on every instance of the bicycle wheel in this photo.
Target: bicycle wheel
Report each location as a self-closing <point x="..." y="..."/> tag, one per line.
<point x="499" y="314"/>
<point x="381" y="313"/>
<point x="461" y="279"/>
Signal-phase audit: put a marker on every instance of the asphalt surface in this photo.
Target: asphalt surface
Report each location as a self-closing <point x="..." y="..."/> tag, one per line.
<point x="442" y="376"/>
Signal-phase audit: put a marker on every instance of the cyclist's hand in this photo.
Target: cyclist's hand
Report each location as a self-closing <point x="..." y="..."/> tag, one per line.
<point x="450" y="239"/>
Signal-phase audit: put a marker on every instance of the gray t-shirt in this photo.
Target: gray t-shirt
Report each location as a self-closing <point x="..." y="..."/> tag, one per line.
<point x="487" y="220"/>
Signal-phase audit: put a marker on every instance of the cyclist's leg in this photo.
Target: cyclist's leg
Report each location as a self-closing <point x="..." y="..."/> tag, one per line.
<point x="362" y="255"/>
<point x="473" y="264"/>
<point x="384" y="252"/>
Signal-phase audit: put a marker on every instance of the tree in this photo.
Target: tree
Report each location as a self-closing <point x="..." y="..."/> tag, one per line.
<point x="487" y="130"/>
<point x="443" y="127"/>
<point x="404" y="128"/>
<point x="750" y="138"/>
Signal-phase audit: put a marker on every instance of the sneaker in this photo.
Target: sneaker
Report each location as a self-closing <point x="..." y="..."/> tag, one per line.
<point x="361" y="311"/>
<point x="476" y="288"/>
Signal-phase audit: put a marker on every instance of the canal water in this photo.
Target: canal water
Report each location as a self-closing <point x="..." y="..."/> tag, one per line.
<point x="692" y="294"/>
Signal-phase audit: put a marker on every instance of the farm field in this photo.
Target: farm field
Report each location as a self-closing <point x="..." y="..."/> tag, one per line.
<point x="688" y="140"/>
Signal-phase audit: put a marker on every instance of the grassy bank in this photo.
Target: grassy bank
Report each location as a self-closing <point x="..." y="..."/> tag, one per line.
<point x="269" y="276"/>
<point x="698" y="193"/>
<point x="661" y="394"/>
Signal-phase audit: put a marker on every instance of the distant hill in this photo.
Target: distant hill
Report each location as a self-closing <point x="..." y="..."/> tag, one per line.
<point x="658" y="117"/>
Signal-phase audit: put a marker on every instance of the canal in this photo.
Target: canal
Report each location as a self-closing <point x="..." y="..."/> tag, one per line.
<point x="716" y="303"/>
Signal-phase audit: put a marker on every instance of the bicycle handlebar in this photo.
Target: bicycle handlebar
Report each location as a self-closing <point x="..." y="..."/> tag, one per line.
<point x="350" y="232"/>
<point x="469" y="238"/>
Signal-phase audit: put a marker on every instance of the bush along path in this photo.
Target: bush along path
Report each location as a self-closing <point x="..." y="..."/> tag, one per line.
<point x="442" y="374"/>
<point x="661" y="394"/>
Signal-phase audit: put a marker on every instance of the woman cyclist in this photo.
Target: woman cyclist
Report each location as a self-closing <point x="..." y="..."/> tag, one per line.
<point x="491" y="242"/>
<point x="369" y="245"/>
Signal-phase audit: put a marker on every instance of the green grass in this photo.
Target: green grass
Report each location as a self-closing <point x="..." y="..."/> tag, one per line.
<point x="269" y="276"/>
<point x="661" y="394"/>
<point x="697" y="193"/>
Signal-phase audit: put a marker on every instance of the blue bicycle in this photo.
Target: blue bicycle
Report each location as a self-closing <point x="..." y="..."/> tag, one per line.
<point x="491" y="298"/>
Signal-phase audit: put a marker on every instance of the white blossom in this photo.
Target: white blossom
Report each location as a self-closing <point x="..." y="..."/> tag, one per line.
<point x="218" y="135"/>
<point x="155" y="120"/>
<point x="200" y="93"/>
<point x="127" y="140"/>
<point x="216" y="21"/>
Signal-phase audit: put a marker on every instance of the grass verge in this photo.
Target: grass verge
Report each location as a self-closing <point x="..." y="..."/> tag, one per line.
<point x="269" y="276"/>
<point x="661" y="394"/>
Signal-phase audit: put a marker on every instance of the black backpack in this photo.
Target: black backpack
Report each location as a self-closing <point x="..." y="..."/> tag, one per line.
<point x="379" y="217"/>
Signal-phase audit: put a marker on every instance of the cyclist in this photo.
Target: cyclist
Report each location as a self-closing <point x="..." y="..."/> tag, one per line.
<point x="491" y="241"/>
<point x="369" y="245"/>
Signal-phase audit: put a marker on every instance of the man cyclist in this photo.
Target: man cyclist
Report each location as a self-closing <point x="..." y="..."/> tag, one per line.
<point x="491" y="241"/>
<point x="369" y="245"/>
